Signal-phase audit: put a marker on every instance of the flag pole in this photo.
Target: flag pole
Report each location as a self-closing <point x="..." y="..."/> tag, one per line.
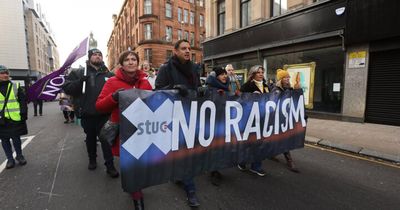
<point x="85" y="71"/>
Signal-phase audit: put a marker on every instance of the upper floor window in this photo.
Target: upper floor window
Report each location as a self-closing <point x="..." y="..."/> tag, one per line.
<point x="179" y="15"/>
<point x="168" y="10"/>
<point x="185" y="15"/>
<point x="186" y="35"/>
<point x="147" y="7"/>
<point x="201" y="3"/>
<point x="245" y="12"/>
<point x="201" y="21"/>
<point x="168" y="54"/>
<point x="279" y="7"/>
<point x="179" y="34"/>
<point x="221" y="17"/>
<point x="148" y="54"/>
<point x="192" y="39"/>
<point x="191" y="1"/>
<point x="147" y="31"/>
<point x="191" y="17"/>
<point x="168" y="34"/>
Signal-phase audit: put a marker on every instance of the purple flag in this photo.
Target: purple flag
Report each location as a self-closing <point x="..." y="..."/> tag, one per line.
<point x="49" y="86"/>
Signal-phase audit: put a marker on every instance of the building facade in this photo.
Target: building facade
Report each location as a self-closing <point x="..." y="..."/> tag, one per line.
<point x="351" y="57"/>
<point x="151" y="28"/>
<point x="27" y="48"/>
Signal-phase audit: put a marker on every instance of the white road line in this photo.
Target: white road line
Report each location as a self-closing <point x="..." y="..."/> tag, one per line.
<point x="55" y="174"/>
<point x="26" y="142"/>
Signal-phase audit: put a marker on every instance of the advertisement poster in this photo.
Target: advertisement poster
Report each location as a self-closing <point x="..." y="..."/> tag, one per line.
<point x="302" y="76"/>
<point x="357" y="59"/>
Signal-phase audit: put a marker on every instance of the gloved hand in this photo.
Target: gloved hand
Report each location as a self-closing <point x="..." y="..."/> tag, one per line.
<point x="115" y="95"/>
<point x="182" y="90"/>
<point x="221" y="92"/>
<point x="84" y="78"/>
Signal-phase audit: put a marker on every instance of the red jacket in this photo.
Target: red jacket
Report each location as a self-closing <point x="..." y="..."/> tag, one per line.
<point x="105" y="102"/>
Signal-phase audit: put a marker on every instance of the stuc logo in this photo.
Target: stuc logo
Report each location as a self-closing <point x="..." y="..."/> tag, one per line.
<point x="152" y="130"/>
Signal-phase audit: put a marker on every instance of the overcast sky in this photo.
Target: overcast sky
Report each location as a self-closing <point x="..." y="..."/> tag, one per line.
<point x="72" y="20"/>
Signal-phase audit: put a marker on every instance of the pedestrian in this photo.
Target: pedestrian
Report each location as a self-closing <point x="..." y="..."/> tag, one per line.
<point x="91" y="120"/>
<point x="13" y="116"/>
<point x="150" y="73"/>
<point x="218" y="80"/>
<point x="128" y="76"/>
<point x="283" y="84"/>
<point x="255" y="84"/>
<point x="181" y="73"/>
<point x="234" y="84"/>
<point x="67" y="108"/>
<point x="37" y="103"/>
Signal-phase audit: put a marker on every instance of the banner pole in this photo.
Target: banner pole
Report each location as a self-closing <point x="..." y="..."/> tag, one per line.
<point x="85" y="71"/>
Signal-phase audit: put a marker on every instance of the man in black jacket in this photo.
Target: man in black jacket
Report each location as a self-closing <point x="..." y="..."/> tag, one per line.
<point x="92" y="121"/>
<point x="180" y="73"/>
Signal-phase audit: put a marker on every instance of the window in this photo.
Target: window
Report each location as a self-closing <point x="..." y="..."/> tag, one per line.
<point x="221" y="17"/>
<point x="148" y="54"/>
<point x="147" y="7"/>
<point x="192" y="39"/>
<point x="201" y="3"/>
<point x="168" y="10"/>
<point x="193" y="58"/>
<point x="191" y="18"/>
<point x="179" y="15"/>
<point x="147" y="31"/>
<point x="245" y="12"/>
<point x="168" y="34"/>
<point x="191" y="1"/>
<point x="186" y="35"/>
<point x="168" y="55"/>
<point x="185" y="15"/>
<point x="179" y="34"/>
<point x="279" y="7"/>
<point x="201" y="22"/>
<point x="201" y="40"/>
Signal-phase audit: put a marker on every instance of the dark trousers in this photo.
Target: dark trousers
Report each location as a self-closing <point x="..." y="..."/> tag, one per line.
<point x="91" y="126"/>
<point x="5" y="142"/>
<point x="69" y="115"/>
<point x="37" y="103"/>
<point x="188" y="185"/>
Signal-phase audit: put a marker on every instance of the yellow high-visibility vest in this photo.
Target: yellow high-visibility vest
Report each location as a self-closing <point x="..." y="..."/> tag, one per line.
<point x="12" y="110"/>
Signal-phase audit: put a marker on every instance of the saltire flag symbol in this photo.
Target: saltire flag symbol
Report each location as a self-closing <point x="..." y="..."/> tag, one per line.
<point x="49" y="86"/>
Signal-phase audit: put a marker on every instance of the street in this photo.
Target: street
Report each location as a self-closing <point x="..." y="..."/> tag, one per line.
<point x="56" y="177"/>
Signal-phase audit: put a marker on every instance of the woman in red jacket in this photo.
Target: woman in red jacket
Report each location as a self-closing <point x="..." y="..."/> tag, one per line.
<point x="126" y="77"/>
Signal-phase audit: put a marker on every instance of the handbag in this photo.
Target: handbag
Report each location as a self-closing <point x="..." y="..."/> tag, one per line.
<point x="109" y="132"/>
<point x="2" y="116"/>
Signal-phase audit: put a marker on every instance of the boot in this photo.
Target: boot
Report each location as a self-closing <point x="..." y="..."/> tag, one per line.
<point x="139" y="204"/>
<point x="92" y="165"/>
<point x="289" y="162"/>
<point x="10" y="164"/>
<point x="112" y="172"/>
<point x="21" y="160"/>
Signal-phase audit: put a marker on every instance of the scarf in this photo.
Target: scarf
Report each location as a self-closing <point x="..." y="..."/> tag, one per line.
<point x="185" y="69"/>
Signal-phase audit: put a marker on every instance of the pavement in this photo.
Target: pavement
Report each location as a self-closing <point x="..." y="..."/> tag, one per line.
<point x="365" y="139"/>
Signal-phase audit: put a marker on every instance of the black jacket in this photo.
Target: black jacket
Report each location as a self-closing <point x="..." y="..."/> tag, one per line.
<point x="168" y="76"/>
<point x="13" y="128"/>
<point x="85" y="104"/>
<point x="250" y="87"/>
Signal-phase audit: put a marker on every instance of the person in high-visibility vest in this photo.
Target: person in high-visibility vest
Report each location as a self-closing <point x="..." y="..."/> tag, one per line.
<point x="13" y="115"/>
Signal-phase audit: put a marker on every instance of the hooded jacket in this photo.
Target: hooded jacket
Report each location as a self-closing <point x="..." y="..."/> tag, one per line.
<point x="85" y="103"/>
<point x="213" y="83"/>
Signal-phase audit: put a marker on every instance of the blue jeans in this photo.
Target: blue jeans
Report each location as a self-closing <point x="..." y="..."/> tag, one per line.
<point x="5" y="142"/>
<point x="188" y="185"/>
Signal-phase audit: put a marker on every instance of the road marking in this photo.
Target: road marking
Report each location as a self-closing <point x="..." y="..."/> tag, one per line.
<point x="55" y="174"/>
<point x="26" y="142"/>
<point x="352" y="156"/>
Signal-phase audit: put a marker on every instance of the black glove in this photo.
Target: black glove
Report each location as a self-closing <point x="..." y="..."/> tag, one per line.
<point x="182" y="90"/>
<point x="24" y="116"/>
<point x="115" y="95"/>
<point x="84" y="78"/>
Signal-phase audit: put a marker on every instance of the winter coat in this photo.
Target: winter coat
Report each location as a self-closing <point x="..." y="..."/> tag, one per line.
<point x="278" y="88"/>
<point x="214" y="84"/>
<point x="251" y="87"/>
<point x="84" y="104"/>
<point x="14" y="128"/>
<point x="171" y="74"/>
<point x="105" y="102"/>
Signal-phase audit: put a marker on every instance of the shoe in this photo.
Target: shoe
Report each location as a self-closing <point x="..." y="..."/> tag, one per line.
<point x="10" y="164"/>
<point x="112" y="172"/>
<point x="216" y="178"/>
<point x="242" y="167"/>
<point x="139" y="204"/>
<point x="66" y="121"/>
<point x="21" y="160"/>
<point x="92" y="165"/>
<point x="72" y="121"/>
<point x="291" y="167"/>
<point x="258" y="171"/>
<point x="192" y="199"/>
<point x="35" y="115"/>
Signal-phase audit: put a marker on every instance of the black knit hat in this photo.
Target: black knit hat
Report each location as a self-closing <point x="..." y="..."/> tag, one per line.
<point x="93" y="51"/>
<point x="219" y="70"/>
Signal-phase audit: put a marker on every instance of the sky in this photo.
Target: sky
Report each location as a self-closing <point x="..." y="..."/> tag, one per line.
<point x="71" y="21"/>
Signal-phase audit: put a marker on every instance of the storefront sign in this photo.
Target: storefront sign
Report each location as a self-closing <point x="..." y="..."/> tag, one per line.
<point x="357" y="59"/>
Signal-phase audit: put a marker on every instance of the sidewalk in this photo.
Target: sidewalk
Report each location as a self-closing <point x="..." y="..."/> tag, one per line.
<point x="374" y="140"/>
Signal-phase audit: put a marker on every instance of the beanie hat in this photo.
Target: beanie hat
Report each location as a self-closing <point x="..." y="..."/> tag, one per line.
<point x="280" y="74"/>
<point x="219" y="70"/>
<point x="93" y="51"/>
<point x="4" y="69"/>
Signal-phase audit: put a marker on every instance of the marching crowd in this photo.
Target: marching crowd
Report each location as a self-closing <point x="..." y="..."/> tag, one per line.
<point x="93" y="96"/>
